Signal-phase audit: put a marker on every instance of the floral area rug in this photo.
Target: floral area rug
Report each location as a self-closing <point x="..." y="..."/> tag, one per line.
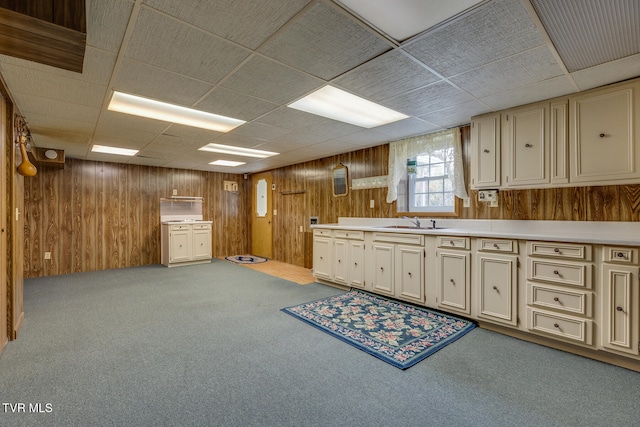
<point x="399" y="334"/>
<point x="245" y="259"/>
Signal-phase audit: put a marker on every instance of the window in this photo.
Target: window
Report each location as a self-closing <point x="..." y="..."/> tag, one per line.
<point x="431" y="186"/>
<point x="435" y="176"/>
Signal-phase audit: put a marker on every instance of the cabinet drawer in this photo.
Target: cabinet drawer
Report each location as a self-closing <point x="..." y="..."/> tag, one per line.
<point x="560" y="250"/>
<point x="453" y="242"/>
<point x="179" y="227"/>
<point x="408" y="239"/>
<point x="322" y="232"/>
<point x="562" y="327"/>
<point x="202" y="226"/>
<point x="560" y="299"/>
<point x="621" y="255"/>
<point x="349" y="234"/>
<point x="573" y="274"/>
<point x="497" y="245"/>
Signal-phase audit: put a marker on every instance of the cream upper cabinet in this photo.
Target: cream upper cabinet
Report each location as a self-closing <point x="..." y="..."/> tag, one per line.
<point x="559" y="142"/>
<point x="604" y="126"/>
<point x="485" y="151"/>
<point x="525" y="143"/>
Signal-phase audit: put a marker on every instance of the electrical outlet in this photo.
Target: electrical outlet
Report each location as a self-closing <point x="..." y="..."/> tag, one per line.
<point x="372" y="203"/>
<point x="466" y="202"/>
<point x="302" y="228"/>
<point x="175" y="191"/>
<point x="47" y="255"/>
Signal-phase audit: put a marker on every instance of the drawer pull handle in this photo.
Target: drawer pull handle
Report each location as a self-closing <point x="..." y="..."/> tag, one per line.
<point x="556" y="272"/>
<point x="556" y="299"/>
<point x="485" y="150"/>
<point x="495" y="288"/>
<point x="555" y="325"/>
<point x="495" y="245"/>
<point x="528" y="145"/>
<point x="619" y="309"/>
<point x="620" y="255"/>
<point x="452" y="243"/>
<point x="452" y="281"/>
<point x="556" y="250"/>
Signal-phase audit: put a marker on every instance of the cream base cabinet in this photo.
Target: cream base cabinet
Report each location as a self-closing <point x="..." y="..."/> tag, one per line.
<point x="348" y="258"/>
<point x="454" y="281"/>
<point x="201" y="241"/>
<point x="409" y="269"/>
<point x="185" y="244"/>
<point x="604" y="127"/>
<point x="497" y="281"/>
<point x="620" y="303"/>
<point x="383" y="257"/>
<point x="485" y="151"/>
<point x="322" y="254"/>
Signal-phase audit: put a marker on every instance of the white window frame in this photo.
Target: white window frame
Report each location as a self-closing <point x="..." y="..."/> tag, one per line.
<point x="446" y="178"/>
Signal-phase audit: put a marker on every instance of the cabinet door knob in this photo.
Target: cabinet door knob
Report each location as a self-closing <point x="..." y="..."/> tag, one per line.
<point x="556" y="272"/>
<point x="556" y="250"/>
<point x="355" y="264"/>
<point x="339" y="261"/>
<point x="495" y="288"/>
<point x="556" y="299"/>
<point x="619" y="309"/>
<point x="602" y="135"/>
<point x="555" y="325"/>
<point x="321" y="258"/>
<point x="485" y="150"/>
<point x="495" y="245"/>
<point x="381" y="269"/>
<point x="452" y="281"/>
<point x="409" y="273"/>
<point x="528" y="145"/>
<point x="620" y="255"/>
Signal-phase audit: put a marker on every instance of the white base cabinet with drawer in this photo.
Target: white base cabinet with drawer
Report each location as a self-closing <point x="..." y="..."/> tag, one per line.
<point x="397" y="266"/>
<point x="185" y="244"/>
<point x="322" y="254"/>
<point x="620" y="308"/>
<point x="348" y="258"/>
<point x="453" y="274"/>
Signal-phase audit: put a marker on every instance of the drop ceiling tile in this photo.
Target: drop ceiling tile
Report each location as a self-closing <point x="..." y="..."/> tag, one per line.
<point x="539" y="91"/>
<point x="589" y="33"/>
<point x="120" y="141"/>
<point x="248" y="23"/>
<point x="339" y="42"/>
<point x="167" y="43"/>
<point x="406" y="128"/>
<point x="36" y="105"/>
<point x="427" y="99"/>
<point x="148" y="81"/>
<point x="386" y="76"/>
<point x="289" y="118"/>
<point x="260" y="131"/>
<point x="266" y="79"/>
<point x="333" y="129"/>
<point x="238" y="140"/>
<point x="45" y="124"/>
<point x="190" y="132"/>
<point x="365" y="138"/>
<point x="235" y="104"/>
<point x="146" y="161"/>
<point x="125" y="126"/>
<point x="532" y="66"/>
<point x="614" y="71"/>
<point x="36" y="83"/>
<point x="107" y="22"/>
<point x="455" y="116"/>
<point x="496" y="30"/>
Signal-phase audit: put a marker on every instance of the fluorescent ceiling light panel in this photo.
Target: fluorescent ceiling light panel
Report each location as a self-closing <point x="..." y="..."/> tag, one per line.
<point x="226" y="163"/>
<point x="402" y="19"/>
<point x="113" y="150"/>
<point x="145" y="107"/>
<point x="237" y="151"/>
<point x="337" y="104"/>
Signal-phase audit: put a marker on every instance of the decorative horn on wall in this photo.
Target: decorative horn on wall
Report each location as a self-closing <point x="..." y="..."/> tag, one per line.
<point x="23" y="137"/>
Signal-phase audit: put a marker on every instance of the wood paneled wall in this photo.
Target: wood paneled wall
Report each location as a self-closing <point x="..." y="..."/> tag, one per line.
<point x="96" y="216"/>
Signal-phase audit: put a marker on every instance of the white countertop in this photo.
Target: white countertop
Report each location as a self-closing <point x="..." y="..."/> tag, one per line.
<point x="186" y="221"/>
<point x="599" y="232"/>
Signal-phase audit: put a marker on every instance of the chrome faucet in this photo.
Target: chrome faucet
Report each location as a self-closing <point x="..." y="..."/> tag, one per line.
<point x="415" y="221"/>
<point x="433" y="223"/>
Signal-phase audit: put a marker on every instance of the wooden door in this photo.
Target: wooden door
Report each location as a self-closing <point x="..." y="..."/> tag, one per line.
<point x="262" y="215"/>
<point x="3" y="224"/>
